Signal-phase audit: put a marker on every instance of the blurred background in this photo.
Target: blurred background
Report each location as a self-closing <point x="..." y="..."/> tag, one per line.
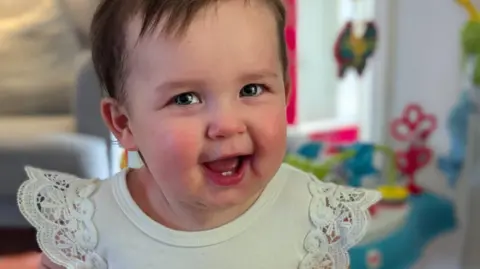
<point x="386" y="96"/>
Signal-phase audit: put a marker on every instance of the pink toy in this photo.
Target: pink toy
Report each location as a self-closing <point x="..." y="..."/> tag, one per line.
<point x="413" y="127"/>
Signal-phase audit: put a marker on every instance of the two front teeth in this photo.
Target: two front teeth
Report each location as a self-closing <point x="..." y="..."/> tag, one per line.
<point x="231" y="172"/>
<point x="227" y="173"/>
<point x="227" y="167"/>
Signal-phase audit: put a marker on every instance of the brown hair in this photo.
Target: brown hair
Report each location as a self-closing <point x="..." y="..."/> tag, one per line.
<point x="109" y="23"/>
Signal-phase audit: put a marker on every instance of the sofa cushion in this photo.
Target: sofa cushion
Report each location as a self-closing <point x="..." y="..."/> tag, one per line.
<point x="37" y="53"/>
<point x="80" y="155"/>
<point x="20" y="128"/>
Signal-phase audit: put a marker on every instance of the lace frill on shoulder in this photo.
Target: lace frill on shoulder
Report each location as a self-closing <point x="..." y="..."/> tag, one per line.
<point x="58" y="205"/>
<point x="340" y="217"/>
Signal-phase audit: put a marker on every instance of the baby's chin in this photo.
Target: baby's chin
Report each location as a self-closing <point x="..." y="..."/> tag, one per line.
<point x="240" y="195"/>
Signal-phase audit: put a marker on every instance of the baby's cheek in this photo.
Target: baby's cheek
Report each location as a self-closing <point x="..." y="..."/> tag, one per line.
<point x="273" y="129"/>
<point x="181" y="146"/>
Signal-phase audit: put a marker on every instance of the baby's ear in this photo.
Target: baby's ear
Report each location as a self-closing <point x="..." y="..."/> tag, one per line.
<point x="116" y="118"/>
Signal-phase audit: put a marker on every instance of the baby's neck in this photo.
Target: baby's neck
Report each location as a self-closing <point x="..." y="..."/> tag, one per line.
<point x="178" y="215"/>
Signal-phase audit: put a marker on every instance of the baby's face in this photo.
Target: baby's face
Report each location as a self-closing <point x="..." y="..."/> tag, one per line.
<point x="207" y="110"/>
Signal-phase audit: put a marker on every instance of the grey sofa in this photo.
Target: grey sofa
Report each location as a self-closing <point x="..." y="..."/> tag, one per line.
<point x="78" y="143"/>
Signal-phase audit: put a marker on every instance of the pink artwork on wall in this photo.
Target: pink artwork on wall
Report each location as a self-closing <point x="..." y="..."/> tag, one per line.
<point x="336" y="137"/>
<point x="291" y="40"/>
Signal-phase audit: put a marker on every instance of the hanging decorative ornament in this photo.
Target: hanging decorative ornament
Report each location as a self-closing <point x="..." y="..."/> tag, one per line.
<point x="352" y="50"/>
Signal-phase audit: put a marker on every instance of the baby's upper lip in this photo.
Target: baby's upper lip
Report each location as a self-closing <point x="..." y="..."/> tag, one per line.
<point x="226" y="156"/>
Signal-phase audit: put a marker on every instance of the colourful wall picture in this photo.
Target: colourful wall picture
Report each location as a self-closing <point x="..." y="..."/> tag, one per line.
<point x="291" y="40"/>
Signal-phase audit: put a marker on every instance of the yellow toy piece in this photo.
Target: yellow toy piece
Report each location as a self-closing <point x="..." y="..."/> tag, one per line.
<point x="473" y="13"/>
<point x="124" y="160"/>
<point x="391" y="192"/>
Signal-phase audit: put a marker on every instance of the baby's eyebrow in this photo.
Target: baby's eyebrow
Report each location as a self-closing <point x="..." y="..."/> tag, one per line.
<point x="257" y="75"/>
<point x="181" y="84"/>
<point x="195" y="83"/>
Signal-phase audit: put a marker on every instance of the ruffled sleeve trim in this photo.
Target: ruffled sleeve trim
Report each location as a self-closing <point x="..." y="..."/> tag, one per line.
<point x="340" y="217"/>
<point x="59" y="206"/>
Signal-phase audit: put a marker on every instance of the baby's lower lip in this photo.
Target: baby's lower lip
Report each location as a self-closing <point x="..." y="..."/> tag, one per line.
<point x="227" y="179"/>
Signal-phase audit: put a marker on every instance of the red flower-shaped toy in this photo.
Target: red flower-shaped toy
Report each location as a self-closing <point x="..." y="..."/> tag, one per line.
<point x="413" y="127"/>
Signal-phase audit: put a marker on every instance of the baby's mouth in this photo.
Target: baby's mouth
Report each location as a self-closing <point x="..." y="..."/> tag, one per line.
<point x="226" y="166"/>
<point x="227" y="171"/>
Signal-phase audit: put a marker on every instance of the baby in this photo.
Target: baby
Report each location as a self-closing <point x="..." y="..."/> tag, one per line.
<point x="199" y="89"/>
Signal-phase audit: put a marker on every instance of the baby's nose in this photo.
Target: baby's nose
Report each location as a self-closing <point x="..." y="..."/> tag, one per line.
<point x="225" y="125"/>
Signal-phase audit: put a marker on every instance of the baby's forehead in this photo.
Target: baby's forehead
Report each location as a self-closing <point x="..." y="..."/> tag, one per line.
<point x="214" y="42"/>
<point x="163" y="24"/>
<point x="212" y="24"/>
<point x="139" y="43"/>
<point x="144" y="46"/>
<point x="138" y="31"/>
<point x="177" y="23"/>
<point x="133" y="31"/>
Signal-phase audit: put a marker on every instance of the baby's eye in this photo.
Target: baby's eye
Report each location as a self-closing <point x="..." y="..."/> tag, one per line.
<point x="184" y="99"/>
<point x="251" y="90"/>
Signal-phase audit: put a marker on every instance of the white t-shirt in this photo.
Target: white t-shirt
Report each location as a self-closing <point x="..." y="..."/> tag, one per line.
<point x="297" y="222"/>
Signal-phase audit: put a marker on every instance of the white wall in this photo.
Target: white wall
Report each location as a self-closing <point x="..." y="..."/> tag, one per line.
<point x="420" y="62"/>
<point x="427" y="68"/>
<point x="317" y="24"/>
